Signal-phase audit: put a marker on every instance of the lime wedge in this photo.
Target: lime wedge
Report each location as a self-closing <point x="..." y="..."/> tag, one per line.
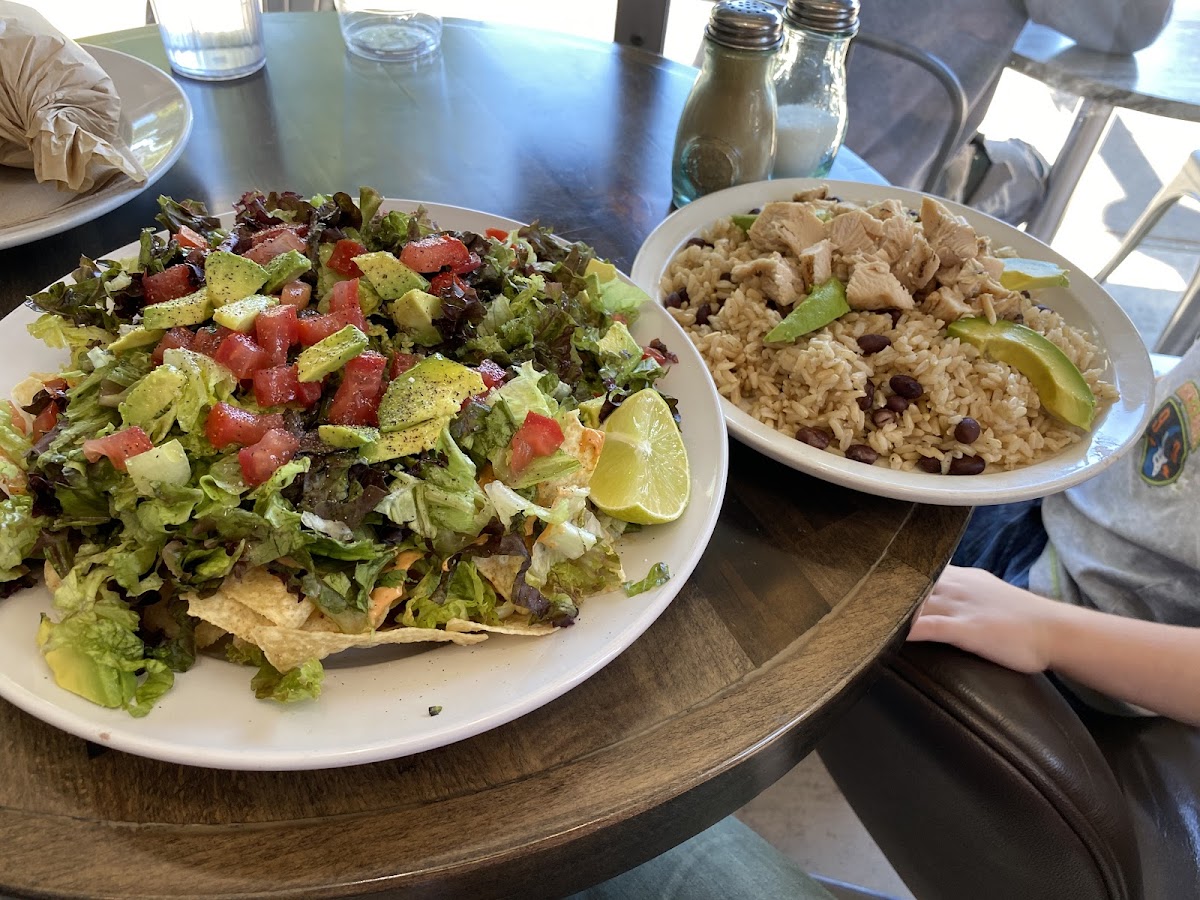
<point x="642" y="475"/>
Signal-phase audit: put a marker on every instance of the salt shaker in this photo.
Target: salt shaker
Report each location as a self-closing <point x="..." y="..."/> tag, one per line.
<point x="810" y="85"/>
<point x="726" y="133"/>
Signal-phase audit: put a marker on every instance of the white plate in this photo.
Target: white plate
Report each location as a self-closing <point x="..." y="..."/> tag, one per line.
<point x="156" y="120"/>
<point x="1083" y="304"/>
<point x="375" y="705"/>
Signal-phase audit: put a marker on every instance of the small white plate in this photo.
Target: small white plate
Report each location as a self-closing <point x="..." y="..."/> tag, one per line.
<point x="1084" y="304"/>
<point x="156" y="119"/>
<point x="376" y="705"/>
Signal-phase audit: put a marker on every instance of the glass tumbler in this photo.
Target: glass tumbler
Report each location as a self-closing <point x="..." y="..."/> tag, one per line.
<point x="388" y="30"/>
<point x="212" y="40"/>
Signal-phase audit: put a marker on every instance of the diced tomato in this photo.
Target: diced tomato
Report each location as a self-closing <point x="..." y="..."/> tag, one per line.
<point x="260" y="460"/>
<point x="262" y="253"/>
<point x="241" y="355"/>
<point x="652" y="353"/>
<point x="345" y="306"/>
<point x="498" y="234"/>
<point x="429" y="254"/>
<point x="357" y="399"/>
<point x="473" y="262"/>
<point x="444" y="281"/>
<point x="44" y="422"/>
<point x="277" y="329"/>
<point x="342" y="260"/>
<point x="118" y="446"/>
<point x="228" y="424"/>
<point x="401" y="363"/>
<point x="491" y="373"/>
<point x="168" y="284"/>
<point x="281" y="385"/>
<point x="209" y="339"/>
<point x="317" y="328"/>
<point x="296" y="293"/>
<point x="275" y="231"/>
<point x="18" y="419"/>
<point x="189" y="239"/>
<point x="538" y="436"/>
<point x="175" y="339"/>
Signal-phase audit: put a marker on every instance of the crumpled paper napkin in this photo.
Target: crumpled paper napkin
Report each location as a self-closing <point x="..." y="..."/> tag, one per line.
<point x="59" y="120"/>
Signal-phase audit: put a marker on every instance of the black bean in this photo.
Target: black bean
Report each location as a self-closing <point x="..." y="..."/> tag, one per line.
<point x="906" y="386"/>
<point x="967" y="465"/>
<point x="1042" y="308"/>
<point x="755" y="211"/>
<point x="814" y="437"/>
<point x="866" y="401"/>
<point x="966" y="431"/>
<point x="882" y="416"/>
<point x="702" y="314"/>
<point x="724" y="276"/>
<point x="873" y="343"/>
<point x="895" y="315"/>
<point x="861" y="453"/>
<point x="674" y="300"/>
<point x="930" y="464"/>
<point x="697" y="242"/>
<point x="1027" y="295"/>
<point x="896" y="403"/>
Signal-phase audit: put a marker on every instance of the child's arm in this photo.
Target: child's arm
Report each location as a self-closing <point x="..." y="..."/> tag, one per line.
<point x="1148" y="664"/>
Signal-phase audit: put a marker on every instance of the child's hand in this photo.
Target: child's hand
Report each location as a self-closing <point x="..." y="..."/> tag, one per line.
<point x="976" y="611"/>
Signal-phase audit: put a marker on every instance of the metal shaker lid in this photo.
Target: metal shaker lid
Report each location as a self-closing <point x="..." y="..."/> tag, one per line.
<point x="835" y="17"/>
<point x="745" y="25"/>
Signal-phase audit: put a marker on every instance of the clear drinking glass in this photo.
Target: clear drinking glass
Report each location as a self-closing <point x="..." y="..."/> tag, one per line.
<point x="388" y="30"/>
<point x="212" y="40"/>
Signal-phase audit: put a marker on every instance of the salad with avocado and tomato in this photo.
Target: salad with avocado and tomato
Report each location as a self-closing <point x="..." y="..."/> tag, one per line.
<point x="320" y="427"/>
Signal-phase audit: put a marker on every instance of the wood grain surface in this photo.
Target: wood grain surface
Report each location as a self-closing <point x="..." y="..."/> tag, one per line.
<point x="803" y="586"/>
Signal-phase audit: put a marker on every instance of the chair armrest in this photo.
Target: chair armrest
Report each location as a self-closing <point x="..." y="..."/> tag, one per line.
<point x="981" y="782"/>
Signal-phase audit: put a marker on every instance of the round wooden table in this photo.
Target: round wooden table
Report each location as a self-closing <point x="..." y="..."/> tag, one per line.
<point x="803" y="587"/>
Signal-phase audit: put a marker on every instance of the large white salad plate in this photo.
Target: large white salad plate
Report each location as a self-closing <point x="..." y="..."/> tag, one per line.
<point x="1084" y="304"/>
<point x="376" y="705"/>
<point x="156" y="119"/>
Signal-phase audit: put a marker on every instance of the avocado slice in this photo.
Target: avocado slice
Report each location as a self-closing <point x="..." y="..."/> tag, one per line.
<point x="391" y="278"/>
<point x="406" y="442"/>
<point x="1022" y="274"/>
<point x="284" y="268"/>
<point x="194" y="309"/>
<point x="619" y="344"/>
<point x="330" y="354"/>
<point x="138" y="336"/>
<point x="230" y="277"/>
<point x="826" y="303"/>
<point x="743" y="220"/>
<point x="76" y="671"/>
<point x="164" y="464"/>
<point x="605" y="271"/>
<point x="434" y="388"/>
<point x="1060" y="385"/>
<point x="414" y="313"/>
<point x="240" y="315"/>
<point x="347" y="436"/>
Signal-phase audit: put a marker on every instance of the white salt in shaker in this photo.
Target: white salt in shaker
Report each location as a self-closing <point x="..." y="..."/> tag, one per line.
<point x="810" y="85"/>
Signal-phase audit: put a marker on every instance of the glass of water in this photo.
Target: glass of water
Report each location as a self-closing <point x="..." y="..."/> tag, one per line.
<point x="388" y="30"/>
<point x="212" y="40"/>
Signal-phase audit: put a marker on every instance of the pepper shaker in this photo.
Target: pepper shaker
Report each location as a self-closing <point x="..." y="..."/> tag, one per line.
<point x="810" y="85"/>
<point x="726" y="133"/>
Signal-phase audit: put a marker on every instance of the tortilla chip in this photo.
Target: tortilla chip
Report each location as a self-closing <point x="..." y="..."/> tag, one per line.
<point x="286" y="648"/>
<point x="501" y="570"/>
<point x="320" y="622"/>
<point x="268" y="596"/>
<point x="539" y="629"/>
<point x="227" y="614"/>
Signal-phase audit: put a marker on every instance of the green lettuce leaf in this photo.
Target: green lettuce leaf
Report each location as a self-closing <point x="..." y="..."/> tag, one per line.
<point x="301" y="683"/>
<point x="658" y="575"/>
<point x="19" y="530"/>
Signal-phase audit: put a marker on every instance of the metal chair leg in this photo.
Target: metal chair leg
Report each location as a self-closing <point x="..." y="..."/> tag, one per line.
<point x="1181" y="331"/>
<point x="1164" y="200"/>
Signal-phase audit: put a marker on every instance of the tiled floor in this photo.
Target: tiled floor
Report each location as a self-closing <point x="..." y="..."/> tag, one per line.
<point x="804" y="814"/>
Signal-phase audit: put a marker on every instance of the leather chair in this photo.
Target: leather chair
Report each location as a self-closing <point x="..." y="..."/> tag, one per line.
<point x="978" y="782"/>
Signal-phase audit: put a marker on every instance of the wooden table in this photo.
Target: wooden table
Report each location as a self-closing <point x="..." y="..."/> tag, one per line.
<point x="803" y="587"/>
<point x="1162" y="79"/>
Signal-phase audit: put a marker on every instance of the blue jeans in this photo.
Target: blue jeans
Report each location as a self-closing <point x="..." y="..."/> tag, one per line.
<point x="727" y="862"/>
<point x="1005" y="540"/>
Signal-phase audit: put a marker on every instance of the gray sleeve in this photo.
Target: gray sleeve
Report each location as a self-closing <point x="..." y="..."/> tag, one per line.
<point x="1110" y="26"/>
